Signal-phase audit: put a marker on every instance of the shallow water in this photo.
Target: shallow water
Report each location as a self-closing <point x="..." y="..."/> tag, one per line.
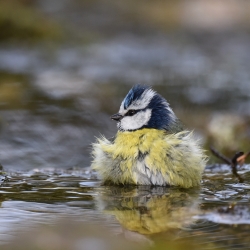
<point x="215" y="216"/>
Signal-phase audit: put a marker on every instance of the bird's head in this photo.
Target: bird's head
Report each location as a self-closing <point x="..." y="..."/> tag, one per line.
<point x="144" y="108"/>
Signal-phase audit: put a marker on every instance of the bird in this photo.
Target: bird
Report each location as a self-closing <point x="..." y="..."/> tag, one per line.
<point x="151" y="146"/>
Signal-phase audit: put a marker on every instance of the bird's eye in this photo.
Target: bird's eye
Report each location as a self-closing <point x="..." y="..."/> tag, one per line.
<point x="131" y="112"/>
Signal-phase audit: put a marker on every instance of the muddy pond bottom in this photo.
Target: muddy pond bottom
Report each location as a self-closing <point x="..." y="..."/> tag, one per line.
<point x="71" y="208"/>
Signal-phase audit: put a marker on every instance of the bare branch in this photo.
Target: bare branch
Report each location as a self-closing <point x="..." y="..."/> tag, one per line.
<point x="220" y="156"/>
<point x="239" y="158"/>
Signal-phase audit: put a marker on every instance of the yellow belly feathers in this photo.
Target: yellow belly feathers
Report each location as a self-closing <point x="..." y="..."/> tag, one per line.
<point x="149" y="157"/>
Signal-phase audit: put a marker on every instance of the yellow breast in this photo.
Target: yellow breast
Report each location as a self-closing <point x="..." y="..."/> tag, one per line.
<point x="149" y="157"/>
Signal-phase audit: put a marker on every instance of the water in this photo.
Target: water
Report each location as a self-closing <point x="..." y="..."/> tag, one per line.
<point x="215" y="216"/>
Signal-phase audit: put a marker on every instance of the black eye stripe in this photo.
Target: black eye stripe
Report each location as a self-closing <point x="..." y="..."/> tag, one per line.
<point x="131" y="112"/>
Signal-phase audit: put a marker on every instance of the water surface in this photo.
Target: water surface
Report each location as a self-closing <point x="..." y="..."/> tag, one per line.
<point x="214" y="216"/>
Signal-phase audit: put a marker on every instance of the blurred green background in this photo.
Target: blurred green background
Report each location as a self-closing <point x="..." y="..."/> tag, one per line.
<point x="65" y="66"/>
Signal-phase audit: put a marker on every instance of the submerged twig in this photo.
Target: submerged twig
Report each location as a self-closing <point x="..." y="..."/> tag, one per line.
<point x="234" y="166"/>
<point x="239" y="158"/>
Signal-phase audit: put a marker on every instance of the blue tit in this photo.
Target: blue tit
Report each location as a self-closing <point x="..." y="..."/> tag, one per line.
<point x="150" y="148"/>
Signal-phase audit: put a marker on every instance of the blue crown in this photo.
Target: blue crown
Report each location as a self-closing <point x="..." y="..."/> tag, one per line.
<point x="134" y="94"/>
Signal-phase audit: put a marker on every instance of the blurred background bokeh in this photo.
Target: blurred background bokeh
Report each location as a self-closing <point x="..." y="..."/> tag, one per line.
<point x="65" y="66"/>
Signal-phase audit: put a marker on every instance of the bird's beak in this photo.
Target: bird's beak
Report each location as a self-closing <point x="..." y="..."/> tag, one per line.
<point x="116" y="117"/>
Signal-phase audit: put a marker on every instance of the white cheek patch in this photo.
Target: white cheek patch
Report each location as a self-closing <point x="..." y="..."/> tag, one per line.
<point x="136" y="121"/>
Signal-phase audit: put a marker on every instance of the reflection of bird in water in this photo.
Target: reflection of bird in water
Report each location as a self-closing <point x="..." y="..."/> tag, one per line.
<point x="150" y="210"/>
<point x="150" y="148"/>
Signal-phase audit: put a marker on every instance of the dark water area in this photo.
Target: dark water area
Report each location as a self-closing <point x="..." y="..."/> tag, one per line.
<point x="61" y="81"/>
